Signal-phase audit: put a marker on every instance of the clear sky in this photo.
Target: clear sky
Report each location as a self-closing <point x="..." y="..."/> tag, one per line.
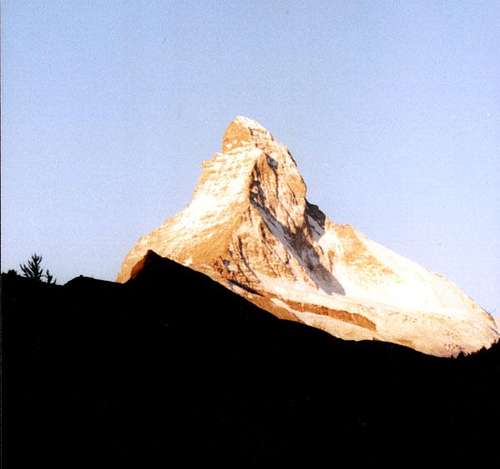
<point x="391" y="109"/>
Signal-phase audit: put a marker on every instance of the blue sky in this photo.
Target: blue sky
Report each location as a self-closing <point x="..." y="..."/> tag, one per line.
<point x="391" y="109"/>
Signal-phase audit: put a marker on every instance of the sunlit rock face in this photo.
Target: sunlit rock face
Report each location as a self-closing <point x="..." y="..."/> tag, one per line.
<point x="250" y="227"/>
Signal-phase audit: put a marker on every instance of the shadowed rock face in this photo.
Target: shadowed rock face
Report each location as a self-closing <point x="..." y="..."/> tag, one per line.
<point x="250" y="227"/>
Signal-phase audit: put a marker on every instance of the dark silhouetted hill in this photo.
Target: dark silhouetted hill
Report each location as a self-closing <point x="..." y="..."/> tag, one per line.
<point x="173" y="370"/>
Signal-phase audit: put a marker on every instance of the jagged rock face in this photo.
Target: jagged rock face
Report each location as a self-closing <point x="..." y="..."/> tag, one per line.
<point x="250" y="227"/>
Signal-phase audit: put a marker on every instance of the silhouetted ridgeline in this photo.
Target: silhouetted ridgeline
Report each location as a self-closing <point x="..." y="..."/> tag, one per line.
<point x="173" y="365"/>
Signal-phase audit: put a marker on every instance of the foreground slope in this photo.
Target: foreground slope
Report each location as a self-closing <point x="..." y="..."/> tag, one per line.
<point x="174" y="370"/>
<point x="250" y="227"/>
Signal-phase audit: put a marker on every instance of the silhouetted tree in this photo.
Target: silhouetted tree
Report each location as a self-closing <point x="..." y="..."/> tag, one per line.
<point x="33" y="269"/>
<point x="49" y="277"/>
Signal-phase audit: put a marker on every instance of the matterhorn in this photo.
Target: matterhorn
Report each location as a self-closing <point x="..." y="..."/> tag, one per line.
<point x="250" y="227"/>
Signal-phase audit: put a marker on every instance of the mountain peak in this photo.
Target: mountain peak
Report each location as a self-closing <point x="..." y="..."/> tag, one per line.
<point x="250" y="227"/>
<point x="242" y="132"/>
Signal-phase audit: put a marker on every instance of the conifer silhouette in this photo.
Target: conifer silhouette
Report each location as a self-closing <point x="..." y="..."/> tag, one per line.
<point x="33" y="269"/>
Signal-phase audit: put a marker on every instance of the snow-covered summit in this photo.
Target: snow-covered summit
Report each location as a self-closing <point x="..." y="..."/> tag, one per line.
<point x="250" y="227"/>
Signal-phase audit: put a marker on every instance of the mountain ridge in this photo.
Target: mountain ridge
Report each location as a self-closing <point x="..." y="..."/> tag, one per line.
<point x="250" y="227"/>
<point x="172" y="367"/>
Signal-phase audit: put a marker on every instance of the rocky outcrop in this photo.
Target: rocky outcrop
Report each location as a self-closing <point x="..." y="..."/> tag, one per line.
<point x="250" y="227"/>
